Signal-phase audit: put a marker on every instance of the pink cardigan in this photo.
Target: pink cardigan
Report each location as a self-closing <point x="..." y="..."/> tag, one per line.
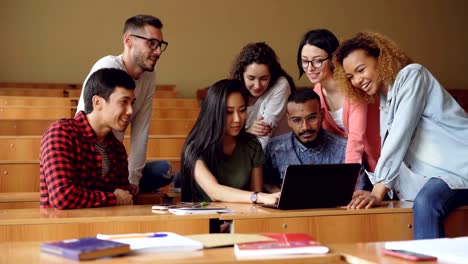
<point x="362" y="124"/>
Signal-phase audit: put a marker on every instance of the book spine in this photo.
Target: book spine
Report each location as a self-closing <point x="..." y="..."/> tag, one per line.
<point x="62" y="253"/>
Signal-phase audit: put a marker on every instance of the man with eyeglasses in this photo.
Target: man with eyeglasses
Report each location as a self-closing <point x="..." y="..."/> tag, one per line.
<point x="143" y="45"/>
<point x="307" y="143"/>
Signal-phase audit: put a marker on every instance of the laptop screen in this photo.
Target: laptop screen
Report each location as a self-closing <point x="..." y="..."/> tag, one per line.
<point x="318" y="186"/>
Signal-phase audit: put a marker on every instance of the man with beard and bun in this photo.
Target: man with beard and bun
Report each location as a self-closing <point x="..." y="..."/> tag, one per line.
<point x="143" y="45"/>
<point x="307" y="143"/>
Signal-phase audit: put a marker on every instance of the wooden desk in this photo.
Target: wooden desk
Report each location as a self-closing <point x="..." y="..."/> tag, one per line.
<point x="370" y="253"/>
<point x="394" y="221"/>
<point x="335" y="225"/>
<point x="387" y="223"/>
<point x="28" y="252"/>
<point x="51" y="224"/>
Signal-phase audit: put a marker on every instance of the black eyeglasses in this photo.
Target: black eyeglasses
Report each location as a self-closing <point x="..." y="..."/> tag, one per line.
<point x="153" y="43"/>
<point x="317" y="63"/>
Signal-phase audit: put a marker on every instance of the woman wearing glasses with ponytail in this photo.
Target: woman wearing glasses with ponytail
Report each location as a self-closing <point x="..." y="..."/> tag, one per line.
<point x="352" y="119"/>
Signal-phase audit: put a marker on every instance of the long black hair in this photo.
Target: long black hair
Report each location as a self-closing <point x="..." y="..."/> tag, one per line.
<point x="205" y="140"/>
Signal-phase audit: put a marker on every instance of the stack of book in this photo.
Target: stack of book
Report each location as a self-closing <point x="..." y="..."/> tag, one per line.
<point x="111" y="245"/>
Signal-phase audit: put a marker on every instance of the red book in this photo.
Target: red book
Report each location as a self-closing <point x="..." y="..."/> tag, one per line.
<point x="286" y="243"/>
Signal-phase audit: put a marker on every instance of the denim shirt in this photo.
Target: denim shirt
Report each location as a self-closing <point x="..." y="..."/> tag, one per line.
<point x="424" y="134"/>
<point x="287" y="150"/>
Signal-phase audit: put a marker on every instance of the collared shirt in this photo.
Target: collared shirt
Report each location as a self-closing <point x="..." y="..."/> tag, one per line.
<point x="71" y="166"/>
<point x="424" y="134"/>
<point x="287" y="150"/>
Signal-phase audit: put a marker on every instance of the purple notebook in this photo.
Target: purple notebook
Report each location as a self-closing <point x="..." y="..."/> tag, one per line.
<point x="85" y="248"/>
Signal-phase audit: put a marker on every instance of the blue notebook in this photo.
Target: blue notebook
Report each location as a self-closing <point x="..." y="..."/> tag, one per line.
<point x="85" y="248"/>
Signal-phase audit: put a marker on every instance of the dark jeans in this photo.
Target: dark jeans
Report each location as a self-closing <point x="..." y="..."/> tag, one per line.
<point x="363" y="182"/>
<point x="155" y="175"/>
<point x="432" y="205"/>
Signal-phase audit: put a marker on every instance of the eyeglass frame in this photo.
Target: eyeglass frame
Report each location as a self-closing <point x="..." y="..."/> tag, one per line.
<point x="159" y="43"/>
<point x="313" y="62"/>
<point x="311" y="119"/>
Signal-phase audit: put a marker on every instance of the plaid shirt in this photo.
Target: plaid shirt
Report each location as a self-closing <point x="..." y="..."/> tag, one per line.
<point x="71" y="166"/>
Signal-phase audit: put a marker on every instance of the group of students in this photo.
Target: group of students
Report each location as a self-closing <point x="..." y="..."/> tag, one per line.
<point x="370" y="104"/>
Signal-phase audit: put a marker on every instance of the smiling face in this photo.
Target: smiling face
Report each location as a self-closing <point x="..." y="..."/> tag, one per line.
<point x="257" y="78"/>
<point x="361" y="71"/>
<point x="235" y="114"/>
<point x="118" y="109"/>
<point x="141" y="53"/>
<point x="312" y="54"/>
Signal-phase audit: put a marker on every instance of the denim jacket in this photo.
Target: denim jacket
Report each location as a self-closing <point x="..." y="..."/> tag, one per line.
<point x="423" y="130"/>
<point x="286" y="150"/>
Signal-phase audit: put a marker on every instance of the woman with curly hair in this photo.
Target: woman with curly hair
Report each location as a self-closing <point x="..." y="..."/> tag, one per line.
<point x="268" y="87"/>
<point x="355" y="120"/>
<point x="423" y="130"/>
<point x="220" y="160"/>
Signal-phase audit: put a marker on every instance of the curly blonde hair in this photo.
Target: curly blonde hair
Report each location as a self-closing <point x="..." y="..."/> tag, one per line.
<point x="391" y="59"/>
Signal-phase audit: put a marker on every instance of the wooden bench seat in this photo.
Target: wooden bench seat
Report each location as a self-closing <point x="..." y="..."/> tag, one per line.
<point x="171" y="126"/>
<point x="31" y="127"/>
<point x="66" y="89"/>
<point x="27" y="147"/>
<point x="16" y="91"/>
<point x="16" y="200"/>
<point x="23" y="175"/>
<point x="175" y="103"/>
<point x="19" y="176"/>
<point x="33" y="101"/>
<point x="157" y="94"/>
<point x="168" y="126"/>
<point x="36" y="112"/>
<point x="41" y="85"/>
<point x="173" y="113"/>
<point x="57" y="112"/>
<point x="73" y="101"/>
<point x="24" y="127"/>
<point x="20" y="200"/>
<point x="162" y="146"/>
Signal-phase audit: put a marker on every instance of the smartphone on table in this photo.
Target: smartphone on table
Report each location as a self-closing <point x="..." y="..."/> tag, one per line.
<point x="408" y="255"/>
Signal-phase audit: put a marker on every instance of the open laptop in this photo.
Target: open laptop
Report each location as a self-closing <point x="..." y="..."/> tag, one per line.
<point x="317" y="186"/>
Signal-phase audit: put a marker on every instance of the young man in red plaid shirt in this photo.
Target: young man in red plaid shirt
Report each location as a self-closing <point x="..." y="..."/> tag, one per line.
<point x="82" y="163"/>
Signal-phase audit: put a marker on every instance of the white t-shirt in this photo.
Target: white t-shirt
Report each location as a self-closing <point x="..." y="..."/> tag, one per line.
<point x="272" y="107"/>
<point x="338" y="117"/>
<point x="141" y="118"/>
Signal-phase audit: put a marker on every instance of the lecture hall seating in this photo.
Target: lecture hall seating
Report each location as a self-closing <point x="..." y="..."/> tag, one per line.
<point x="26" y="110"/>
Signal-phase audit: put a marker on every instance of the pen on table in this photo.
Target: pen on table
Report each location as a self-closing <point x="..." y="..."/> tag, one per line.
<point x="142" y="235"/>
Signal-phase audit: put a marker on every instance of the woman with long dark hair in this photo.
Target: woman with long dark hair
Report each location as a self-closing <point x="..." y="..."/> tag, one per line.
<point x="220" y="160"/>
